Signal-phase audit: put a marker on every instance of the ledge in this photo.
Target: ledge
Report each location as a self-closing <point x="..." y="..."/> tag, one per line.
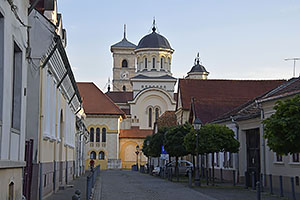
<point x="11" y="164"/>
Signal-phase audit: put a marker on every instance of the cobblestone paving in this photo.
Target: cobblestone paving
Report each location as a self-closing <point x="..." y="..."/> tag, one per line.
<point x="129" y="185"/>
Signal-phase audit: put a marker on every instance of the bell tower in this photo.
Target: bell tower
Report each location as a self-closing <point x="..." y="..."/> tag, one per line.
<point x="123" y="64"/>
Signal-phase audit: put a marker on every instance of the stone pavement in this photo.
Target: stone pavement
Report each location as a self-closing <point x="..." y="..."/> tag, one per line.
<point x="129" y="185"/>
<point x="78" y="183"/>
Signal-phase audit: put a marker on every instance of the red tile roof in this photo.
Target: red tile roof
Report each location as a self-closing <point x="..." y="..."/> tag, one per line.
<point x="120" y="97"/>
<point x="96" y="102"/>
<point x="135" y="132"/>
<point x="167" y="119"/>
<point x="216" y="97"/>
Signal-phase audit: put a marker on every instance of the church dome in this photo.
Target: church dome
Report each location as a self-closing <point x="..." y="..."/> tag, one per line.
<point x="154" y="40"/>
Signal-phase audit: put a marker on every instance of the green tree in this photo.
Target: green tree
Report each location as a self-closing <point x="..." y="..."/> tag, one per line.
<point x="282" y="129"/>
<point x="173" y="143"/>
<point x="215" y="138"/>
<point x="146" y="147"/>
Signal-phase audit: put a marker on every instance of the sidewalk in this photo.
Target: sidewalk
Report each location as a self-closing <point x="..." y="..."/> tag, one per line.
<point x="78" y="183"/>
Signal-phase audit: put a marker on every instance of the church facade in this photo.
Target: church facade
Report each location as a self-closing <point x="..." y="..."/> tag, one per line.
<point x="143" y="87"/>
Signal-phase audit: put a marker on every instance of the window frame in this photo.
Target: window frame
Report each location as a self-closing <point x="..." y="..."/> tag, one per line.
<point x="97" y="134"/>
<point x="153" y="62"/>
<point x="150" y="117"/>
<point x="145" y="62"/>
<point x="92" y="135"/>
<point x="124" y="61"/>
<point x="104" y="132"/>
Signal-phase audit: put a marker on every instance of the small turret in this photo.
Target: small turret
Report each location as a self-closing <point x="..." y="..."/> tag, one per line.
<point x="198" y="71"/>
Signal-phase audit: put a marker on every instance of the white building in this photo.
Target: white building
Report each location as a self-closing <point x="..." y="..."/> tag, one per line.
<point x="13" y="86"/>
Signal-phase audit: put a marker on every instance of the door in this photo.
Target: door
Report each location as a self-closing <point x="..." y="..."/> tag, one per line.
<point x="253" y="154"/>
<point x="28" y="169"/>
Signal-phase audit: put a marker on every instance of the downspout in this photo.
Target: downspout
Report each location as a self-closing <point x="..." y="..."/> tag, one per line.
<point x="262" y="127"/>
<point x="237" y="155"/>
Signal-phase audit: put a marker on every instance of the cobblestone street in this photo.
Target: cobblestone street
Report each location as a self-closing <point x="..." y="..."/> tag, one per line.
<point x="125" y="185"/>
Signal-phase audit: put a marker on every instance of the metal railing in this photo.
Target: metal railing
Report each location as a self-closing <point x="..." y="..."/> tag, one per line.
<point x="91" y="180"/>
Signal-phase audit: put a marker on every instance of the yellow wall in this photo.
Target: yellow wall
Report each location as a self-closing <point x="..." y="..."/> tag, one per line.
<point x="8" y="176"/>
<point x="127" y="152"/>
<point x="102" y="163"/>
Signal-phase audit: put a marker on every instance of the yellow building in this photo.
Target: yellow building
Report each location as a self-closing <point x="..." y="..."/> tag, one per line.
<point x="103" y="119"/>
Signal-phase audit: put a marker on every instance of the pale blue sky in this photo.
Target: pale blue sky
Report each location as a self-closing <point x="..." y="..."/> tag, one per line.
<point x="237" y="39"/>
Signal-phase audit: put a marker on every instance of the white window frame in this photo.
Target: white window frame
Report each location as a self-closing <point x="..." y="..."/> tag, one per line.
<point x="276" y="161"/>
<point x="292" y="161"/>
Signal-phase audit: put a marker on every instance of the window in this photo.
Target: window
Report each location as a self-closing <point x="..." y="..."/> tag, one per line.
<point x="162" y="60"/>
<point x="295" y="157"/>
<point x="150" y="117"/>
<point x="17" y="88"/>
<point x="146" y="61"/>
<point x="103" y="134"/>
<point x="11" y="191"/>
<point x="97" y="134"/>
<point x="153" y="63"/>
<point x="124" y="88"/>
<point x="278" y="157"/>
<point x="217" y="160"/>
<point x="1" y="62"/>
<point x="124" y="63"/>
<point x="92" y="135"/>
<point x="156" y="113"/>
<point x="101" y="155"/>
<point x="93" y="155"/>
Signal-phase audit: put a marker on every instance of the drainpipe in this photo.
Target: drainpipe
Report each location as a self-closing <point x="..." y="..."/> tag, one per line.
<point x="262" y="117"/>
<point x="237" y="156"/>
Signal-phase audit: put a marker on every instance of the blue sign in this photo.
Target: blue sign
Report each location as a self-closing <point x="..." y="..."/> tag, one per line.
<point x="163" y="151"/>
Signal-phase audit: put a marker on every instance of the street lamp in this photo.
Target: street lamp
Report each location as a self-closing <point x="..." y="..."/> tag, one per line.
<point x="137" y="156"/>
<point x="197" y="126"/>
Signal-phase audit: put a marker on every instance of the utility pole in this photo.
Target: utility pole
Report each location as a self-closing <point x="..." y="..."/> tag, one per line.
<point x="294" y="59"/>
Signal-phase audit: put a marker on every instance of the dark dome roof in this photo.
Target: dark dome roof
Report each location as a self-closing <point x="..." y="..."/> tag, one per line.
<point x="198" y="68"/>
<point x="154" y="40"/>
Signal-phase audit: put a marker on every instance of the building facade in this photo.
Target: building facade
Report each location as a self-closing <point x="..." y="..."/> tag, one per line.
<point x="54" y="103"/>
<point x="13" y="97"/>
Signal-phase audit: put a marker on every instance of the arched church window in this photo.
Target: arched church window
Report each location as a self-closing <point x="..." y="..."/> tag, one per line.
<point x="124" y="88"/>
<point x="156" y="113"/>
<point x="92" y="135"/>
<point x="150" y="117"/>
<point x="146" y="61"/>
<point x="124" y="63"/>
<point x="97" y="134"/>
<point x="93" y="155"/>
<point x="153" y="62"/>
<point x="101" y="155"/>
<point x="103" y="134"/>
<point x="162" y="60"/>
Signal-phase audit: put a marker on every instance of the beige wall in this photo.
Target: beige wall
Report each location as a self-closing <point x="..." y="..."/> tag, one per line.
<point x="127" y="152"/>
<point x="11" y="175"/>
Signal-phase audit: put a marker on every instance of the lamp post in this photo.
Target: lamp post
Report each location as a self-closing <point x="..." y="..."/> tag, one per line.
<point x="149" y="158"/>
<point x="197" y="125"/>
<point x="137" y="156"/>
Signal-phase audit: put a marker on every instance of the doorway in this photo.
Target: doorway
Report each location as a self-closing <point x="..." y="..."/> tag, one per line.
<point x="253" y="154"/>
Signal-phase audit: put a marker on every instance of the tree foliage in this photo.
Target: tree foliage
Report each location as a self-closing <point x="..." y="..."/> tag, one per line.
<point x="156" y="142"/>
<point x="174" y="140"/>
<point x="146" y="147"/>
<point x="282" y="129"/>
<point x="217" y="138"/>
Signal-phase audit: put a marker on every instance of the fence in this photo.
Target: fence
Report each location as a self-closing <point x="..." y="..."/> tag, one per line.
<point x="91" y="180"/>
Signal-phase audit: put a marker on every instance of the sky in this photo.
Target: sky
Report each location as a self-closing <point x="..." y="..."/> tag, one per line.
<point x="236" y="39"/>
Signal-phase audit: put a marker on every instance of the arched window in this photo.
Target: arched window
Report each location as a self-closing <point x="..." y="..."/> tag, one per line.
<point x="156" y="113"/>
<point x="150" y="117"/>
<point x="93" y="155"/>
<point x="97" y="134"/>
<point x="124" y="63"/>
<point x="101" y="155"/>
<point x="153" y="62"/>
<point x="124" y="88"/>
<point x="92" y="135"/>
<point x="146" y="61"/>
<point x="104" y="135"/>
<point x="162" y="60"/>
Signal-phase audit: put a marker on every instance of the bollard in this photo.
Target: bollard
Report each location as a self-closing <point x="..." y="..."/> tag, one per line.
<point x="253" y="180"/>
<point x="261" y="183"/>
<point x="209" y="170"/>
<point x="281" y="186"/>
<point x="190" y="178"/>
<point x="171" y="174"/>
<point x="258" y="193"/>
<point x="221" y="172"/>
<point x="246" y="180"/>
<point x="206" y="176"/>
<point x="271" y="184"/>
<point x="233" y="177"/>
<point x="293" y="188"/>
